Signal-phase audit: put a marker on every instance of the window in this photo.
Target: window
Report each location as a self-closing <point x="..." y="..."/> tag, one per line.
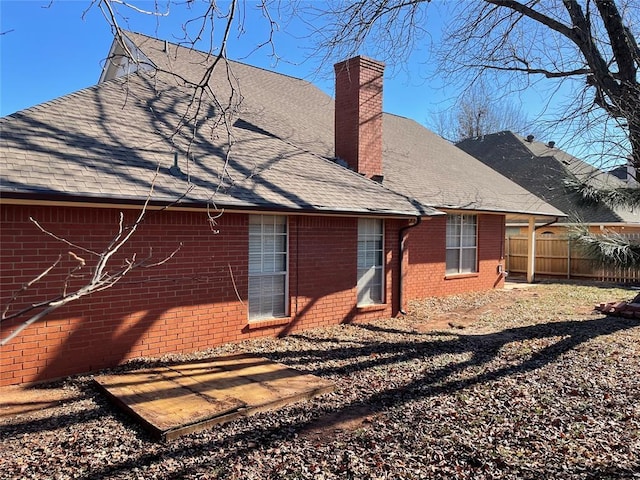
<point x="370" y="266"/>
<point x="267" y="266"/>
<point x="462" y="244"/>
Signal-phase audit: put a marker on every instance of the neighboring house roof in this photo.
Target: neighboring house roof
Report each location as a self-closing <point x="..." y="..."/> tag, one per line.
<point x="619" y="172"/>
<point x="626" y="173"/>
<point x="106" y="143"/>
<point x="543" y="169"/>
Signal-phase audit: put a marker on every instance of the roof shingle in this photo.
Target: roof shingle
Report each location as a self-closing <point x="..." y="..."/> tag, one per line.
<point x="115" y="140"/>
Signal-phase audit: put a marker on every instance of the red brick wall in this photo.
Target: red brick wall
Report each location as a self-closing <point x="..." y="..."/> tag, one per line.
<point x="424" y="267"/>
<point x="187" y="304"/>
<point x="358" y="114"/>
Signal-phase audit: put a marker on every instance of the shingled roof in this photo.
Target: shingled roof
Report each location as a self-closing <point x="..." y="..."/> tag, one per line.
<point x="422" y="165"/>
<point x="113" y="141"/>
<point x="542" y="169"/>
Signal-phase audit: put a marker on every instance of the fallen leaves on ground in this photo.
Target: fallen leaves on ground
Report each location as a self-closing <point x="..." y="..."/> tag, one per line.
<point x="533" y="388"/>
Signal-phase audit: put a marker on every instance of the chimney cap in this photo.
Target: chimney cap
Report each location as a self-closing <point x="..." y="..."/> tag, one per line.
<point x="370" y="63"/>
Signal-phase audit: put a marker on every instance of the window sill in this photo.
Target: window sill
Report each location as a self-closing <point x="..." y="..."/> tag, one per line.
<point x="271" y="322"/>
<point x="456" y="276"/>
<point x="371" y="308"/>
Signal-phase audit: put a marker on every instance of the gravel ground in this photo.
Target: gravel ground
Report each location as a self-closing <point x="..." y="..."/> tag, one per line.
<point x="524" y="384"/>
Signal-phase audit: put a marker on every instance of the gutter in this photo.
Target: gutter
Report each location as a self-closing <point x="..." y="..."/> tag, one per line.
<point x="401" y="239"/>
<point x="197" y="206"/>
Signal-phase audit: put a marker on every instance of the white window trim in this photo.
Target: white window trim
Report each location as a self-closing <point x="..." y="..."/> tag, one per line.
<point x="262" y="274"/>
<point x="381" y="268"/>
<point x="461" y="249"/>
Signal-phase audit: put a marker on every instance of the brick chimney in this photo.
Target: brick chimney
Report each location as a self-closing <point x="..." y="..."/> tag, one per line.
<point x="358" y="115"/>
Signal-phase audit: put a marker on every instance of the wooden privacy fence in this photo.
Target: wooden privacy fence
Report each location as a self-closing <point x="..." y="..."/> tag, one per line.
<point x="562" y="257"/>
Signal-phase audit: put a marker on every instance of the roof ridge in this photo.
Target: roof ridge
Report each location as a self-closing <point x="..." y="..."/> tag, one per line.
<point x="193" y="49"/>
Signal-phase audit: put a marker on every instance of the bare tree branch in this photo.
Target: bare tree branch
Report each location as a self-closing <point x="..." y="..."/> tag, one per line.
<point x="101" y="279"/>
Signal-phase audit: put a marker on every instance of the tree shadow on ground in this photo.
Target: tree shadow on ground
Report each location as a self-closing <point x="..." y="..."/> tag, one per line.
<point x="473" y="352"/>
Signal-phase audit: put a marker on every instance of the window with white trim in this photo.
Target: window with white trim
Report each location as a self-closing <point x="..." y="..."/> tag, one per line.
<point x="370" y="261"/>
<point x="462" y="244"/>
<point x="267" y="267"/>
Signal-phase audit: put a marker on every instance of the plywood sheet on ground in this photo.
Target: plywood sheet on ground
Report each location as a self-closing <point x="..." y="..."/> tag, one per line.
<point x="172" y="400"/>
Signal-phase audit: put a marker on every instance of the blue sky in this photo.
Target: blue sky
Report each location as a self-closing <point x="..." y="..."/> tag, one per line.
<point x="49" y="49"/>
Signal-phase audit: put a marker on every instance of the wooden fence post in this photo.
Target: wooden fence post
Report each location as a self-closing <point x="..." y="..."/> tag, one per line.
<point x="569" y="258"/>
<point x="531" y="251"/>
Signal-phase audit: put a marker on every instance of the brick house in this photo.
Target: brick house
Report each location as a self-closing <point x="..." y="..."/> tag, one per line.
<point x="314" y="228"/>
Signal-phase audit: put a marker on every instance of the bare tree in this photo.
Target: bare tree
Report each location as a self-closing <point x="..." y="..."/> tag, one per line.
<point x="88" y="271"/>
<point x="477" y="112"/>
<point x="584" y="53"/>
<point x="586" y="47"/>
<point x="97" y="271"/>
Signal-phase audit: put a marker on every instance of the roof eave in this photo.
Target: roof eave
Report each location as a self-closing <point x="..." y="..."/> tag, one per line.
<point x="88" y="201"/>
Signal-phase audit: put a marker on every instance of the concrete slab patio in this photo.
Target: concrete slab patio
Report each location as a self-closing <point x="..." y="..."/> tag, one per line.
<point x="174" y="400"/>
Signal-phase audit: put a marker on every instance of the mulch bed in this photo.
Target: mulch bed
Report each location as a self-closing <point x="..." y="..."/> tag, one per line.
<point x="524" y="384"/>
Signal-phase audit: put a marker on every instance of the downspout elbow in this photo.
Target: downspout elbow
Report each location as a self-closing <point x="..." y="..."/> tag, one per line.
<point x="547" y="224"/>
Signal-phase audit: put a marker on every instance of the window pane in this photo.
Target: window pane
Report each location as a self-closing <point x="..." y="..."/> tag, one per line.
<point x="453" y="242"/>
<point x="267" y="266"/>
<point x="255" y="289"/>
<point x="369" y="286"/>
<point x="454" y="230"/>
<point x="469" y="219"/>
<point x="469" y="229"/>
<point x="370" y="261"/>
<point x="280" y="243"/>
<point x="362" y="257"/>
<point x="278" y="304"/>
<point x="280" y="262"/>
<point x="453" y="224"/>
<point x="268" y="243"/>
<point x="453" y="261"/>
<point x="468" y="260"/>
<point x="462" y="244"/>
<point x="468" y="241"/>
<point x="367" y="226"/>
<point x="268" y="263"/>
<point x="268" y="228"/>
<point x="375" y="290"/>
<point x="255" y="255"/>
